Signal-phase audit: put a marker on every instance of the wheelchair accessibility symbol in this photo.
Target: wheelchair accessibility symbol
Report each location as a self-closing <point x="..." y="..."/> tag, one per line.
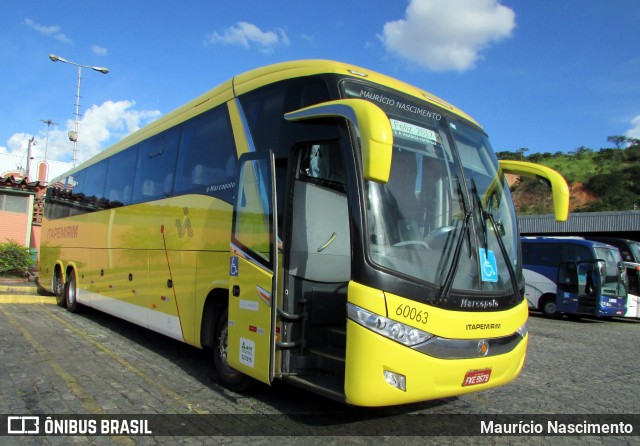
<point x="488" y="265"/>
<point x="233" y="266"/>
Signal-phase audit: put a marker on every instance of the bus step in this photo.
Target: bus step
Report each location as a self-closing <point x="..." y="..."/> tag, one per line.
<point x="329" y="386"/>
<point x="337" y="337"/>
<point x="331" y="353"/>
<point x="329" y="360"/>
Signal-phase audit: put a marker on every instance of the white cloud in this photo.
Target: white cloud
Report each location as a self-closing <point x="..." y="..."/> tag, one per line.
<point x="634" y="132"/>
<point x="249" y="35"/>
<point x="100" y="51"/>
<point x="99" y="127"/>
<point x="446" y="35"/>
<point x="49" y="31"/>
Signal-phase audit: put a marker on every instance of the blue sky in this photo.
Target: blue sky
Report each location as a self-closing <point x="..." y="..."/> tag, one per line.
<point x="547" y="75"/>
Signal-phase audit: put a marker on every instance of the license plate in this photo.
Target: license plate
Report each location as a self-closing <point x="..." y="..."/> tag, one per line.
<point x="473" y="377"/>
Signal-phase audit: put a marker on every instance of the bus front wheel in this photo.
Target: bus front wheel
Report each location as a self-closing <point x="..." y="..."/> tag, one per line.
<point x="227" y="375"/>
<point x="548" y="307"/>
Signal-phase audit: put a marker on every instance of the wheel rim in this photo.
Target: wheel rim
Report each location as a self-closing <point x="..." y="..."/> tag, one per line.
<point x="222" y="348"/>
<point x="57" y="284"/>
<point x="71" y="293"/>
<point x="550" y="307"/>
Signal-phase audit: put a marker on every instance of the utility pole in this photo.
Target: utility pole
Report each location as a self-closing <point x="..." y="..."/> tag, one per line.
<point x="31" y="141"/>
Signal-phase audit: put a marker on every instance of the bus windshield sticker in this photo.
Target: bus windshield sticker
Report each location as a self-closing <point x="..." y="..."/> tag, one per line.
<point x="413" y="132"/>
<point x="488" y="265"/>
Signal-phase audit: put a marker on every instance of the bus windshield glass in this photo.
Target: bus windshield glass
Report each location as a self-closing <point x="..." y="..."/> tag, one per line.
<point x="445" y="215"/>
<point x="612" y="273"/>
<point x="635" y="249"/>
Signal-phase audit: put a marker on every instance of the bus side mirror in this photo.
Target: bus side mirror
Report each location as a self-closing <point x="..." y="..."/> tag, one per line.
<point x="559" y="188"/>
<point x="372" y="125"/>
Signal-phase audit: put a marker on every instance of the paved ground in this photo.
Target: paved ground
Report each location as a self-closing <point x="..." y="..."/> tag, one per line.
<point x="54" y="362"/>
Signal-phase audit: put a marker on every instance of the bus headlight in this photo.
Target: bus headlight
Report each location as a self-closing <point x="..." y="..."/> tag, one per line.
<point x="394" y="330"/>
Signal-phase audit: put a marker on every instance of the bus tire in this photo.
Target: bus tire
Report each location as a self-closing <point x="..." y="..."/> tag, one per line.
<point x="227" y="375"/>
<point x="548" y="307"/>
<point x="58" y="288"/>
<point x="71" y="292"/>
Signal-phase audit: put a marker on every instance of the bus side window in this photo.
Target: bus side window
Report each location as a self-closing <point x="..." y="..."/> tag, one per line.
<point x="576" y="253"/>
<point x="94" y="186"/>
<point x="542" y="254"/>
<point x="75" y="188"/>
<point x="156" y="162"/>
<point x="322" y="163"/>
<point x="207" y="160"/>
<point x="120" y="177"/>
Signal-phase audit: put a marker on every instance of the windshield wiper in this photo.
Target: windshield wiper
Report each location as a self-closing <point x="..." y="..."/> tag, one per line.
<point x="464" y="231"/>
<point x="448" y="281"/>
<point x="484" y="216"/>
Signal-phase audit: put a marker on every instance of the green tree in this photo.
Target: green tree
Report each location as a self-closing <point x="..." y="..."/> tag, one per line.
<point x="14" y="259"/>
<point x="617" y="140"/>
<point x="522" y="151"/>
<point x="506" y="155"/>
<point x="583" y="152"/>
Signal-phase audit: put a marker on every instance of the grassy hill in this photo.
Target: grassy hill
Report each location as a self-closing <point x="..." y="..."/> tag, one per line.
<point x="607" y="180"/>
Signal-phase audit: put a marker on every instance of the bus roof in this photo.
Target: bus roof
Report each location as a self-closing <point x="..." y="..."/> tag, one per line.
<point x="256" y="78"/>
<point x="574" y="240"/>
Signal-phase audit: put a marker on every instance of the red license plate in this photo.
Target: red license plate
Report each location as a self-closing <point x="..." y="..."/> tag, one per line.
<point x="473" y="377"/>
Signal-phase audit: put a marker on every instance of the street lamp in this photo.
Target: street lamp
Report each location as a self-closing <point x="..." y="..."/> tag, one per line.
<point x="49" y="123"/>
<point x="43" y="169"/>
<point x="73" y="136"/>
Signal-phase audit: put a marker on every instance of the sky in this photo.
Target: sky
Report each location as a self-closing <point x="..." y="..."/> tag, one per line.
<point x="546" y="75"/>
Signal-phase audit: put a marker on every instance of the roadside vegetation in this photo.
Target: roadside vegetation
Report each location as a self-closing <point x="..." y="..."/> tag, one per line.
<point x="606" y="180"/>
<point x="15" y="260"/>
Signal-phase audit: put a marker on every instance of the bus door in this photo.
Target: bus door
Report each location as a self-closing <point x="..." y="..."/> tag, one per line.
<point x="252" y="267"/>
<point x="579" y="286"/>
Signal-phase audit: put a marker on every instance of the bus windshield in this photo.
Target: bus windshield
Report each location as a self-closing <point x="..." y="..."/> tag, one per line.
<point x="612" y="273"/>
<point x="635" y="249"/>
<point x="445" y="213"/>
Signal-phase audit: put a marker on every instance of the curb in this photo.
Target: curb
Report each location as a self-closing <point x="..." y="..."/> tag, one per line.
<point x="21" y="288"/>
<point x="26" y="299"/>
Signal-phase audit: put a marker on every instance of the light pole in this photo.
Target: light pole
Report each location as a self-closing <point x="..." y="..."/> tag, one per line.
<point x="73" y="136"/>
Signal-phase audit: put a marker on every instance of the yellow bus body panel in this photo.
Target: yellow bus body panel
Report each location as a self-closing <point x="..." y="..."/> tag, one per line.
<point x="249" y="340"/>
<point x="159" y="260"/>
<point x="457" y="324"/>
<point x="369" y="354"/>
<point x="427" y="378"/>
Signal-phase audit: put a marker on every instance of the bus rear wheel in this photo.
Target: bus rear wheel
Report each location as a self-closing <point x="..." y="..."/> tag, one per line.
<point x="227" y="375"/>
<point x="58" y="288"/>
<point x="71" y="292"/>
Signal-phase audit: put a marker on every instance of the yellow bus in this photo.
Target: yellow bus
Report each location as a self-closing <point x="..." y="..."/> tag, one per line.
<point x="308" y="221"/>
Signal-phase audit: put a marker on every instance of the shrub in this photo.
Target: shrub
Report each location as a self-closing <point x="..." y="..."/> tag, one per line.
<point x="14" y="259"/>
